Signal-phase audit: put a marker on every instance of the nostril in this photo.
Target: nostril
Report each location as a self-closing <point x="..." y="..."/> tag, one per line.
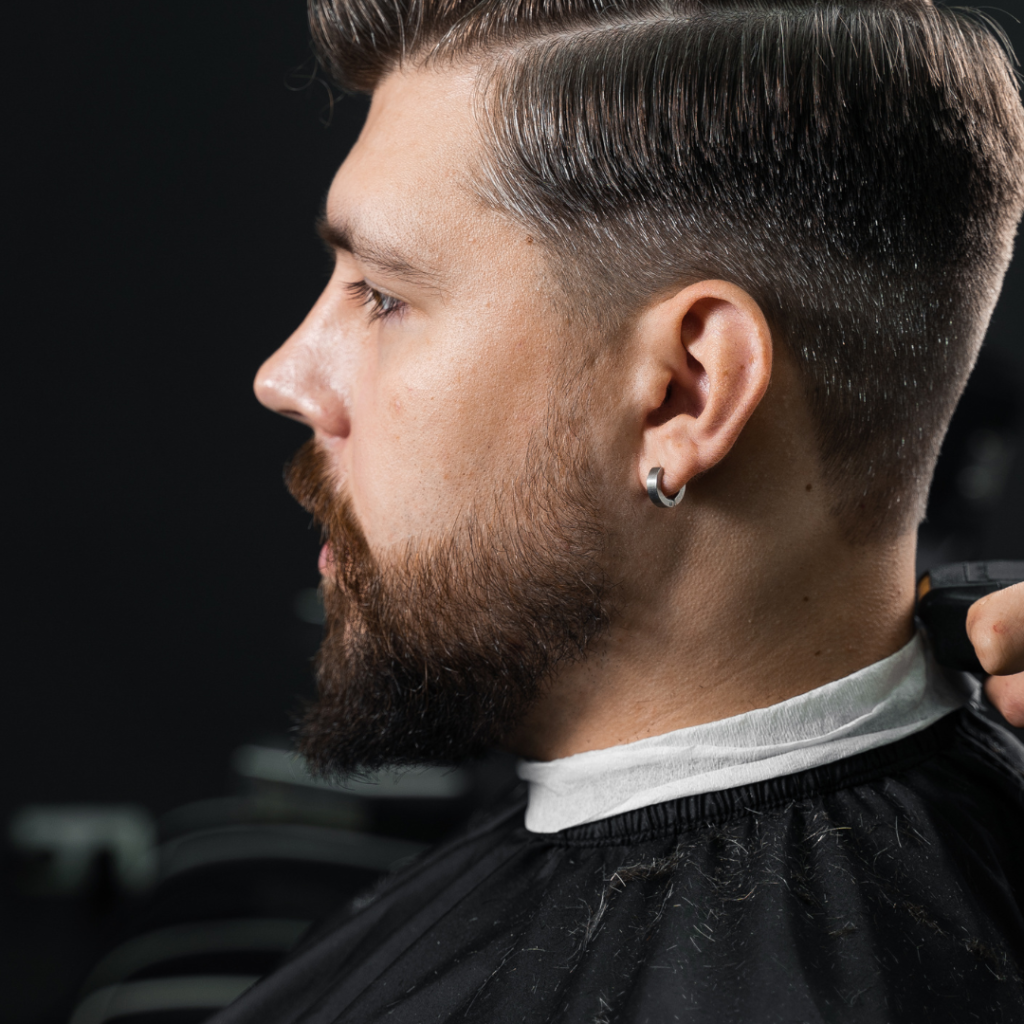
<point x="303" y="380"/>
<point x="277" y="391"/>
<point x="308" y="402"/>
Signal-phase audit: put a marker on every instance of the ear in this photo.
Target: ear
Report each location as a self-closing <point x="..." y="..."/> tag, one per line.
<point x="705" y="362"/>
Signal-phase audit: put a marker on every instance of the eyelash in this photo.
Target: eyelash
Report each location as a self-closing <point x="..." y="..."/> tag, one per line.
<point x="382" y="306"/>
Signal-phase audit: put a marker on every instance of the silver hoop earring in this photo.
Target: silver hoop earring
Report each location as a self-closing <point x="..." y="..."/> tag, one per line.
<point x="657" y="495"/>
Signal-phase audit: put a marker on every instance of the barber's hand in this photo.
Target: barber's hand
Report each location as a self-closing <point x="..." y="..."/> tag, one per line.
<point x="995" y="625"/>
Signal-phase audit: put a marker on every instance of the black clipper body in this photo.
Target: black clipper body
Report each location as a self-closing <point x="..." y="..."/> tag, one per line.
<point x="943" y="596"/>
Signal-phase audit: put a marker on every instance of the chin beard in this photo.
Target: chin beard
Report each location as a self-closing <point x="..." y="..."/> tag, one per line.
<point x="436" y="654"/>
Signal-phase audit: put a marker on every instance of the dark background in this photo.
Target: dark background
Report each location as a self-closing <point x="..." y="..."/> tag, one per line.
<point x="166" y="165"/>
<point x="166" y="182"/>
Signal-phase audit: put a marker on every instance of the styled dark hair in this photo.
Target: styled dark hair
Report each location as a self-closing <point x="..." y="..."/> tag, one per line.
<point x="857" y="167"/>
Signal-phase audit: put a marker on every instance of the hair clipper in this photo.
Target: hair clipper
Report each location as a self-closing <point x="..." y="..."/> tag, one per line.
<point x="943" y="596"/>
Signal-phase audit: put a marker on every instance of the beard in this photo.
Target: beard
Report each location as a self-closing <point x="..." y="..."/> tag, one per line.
<point x="434" y="654"/>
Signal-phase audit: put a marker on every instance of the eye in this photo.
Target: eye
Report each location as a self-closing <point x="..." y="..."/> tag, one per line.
<point x="382" y="306"/>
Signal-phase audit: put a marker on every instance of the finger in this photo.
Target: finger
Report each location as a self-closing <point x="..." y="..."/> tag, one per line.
<point x="1007" y="693"/>
<point x="995" y="625"/>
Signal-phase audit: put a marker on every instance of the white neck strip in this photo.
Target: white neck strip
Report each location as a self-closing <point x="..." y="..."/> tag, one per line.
<point x="880" y="704"/>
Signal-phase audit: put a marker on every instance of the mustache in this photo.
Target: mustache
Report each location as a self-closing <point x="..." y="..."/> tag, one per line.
<point x="311" y="482"/>
<point x="308" y="479"/>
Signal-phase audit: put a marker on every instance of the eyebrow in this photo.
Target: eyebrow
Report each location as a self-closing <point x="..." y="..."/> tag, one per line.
<point x="382" y="255"/>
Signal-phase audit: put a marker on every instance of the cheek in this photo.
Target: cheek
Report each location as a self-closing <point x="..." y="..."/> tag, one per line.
<point x="409" y="417"/>
<point x="434" y="428"/>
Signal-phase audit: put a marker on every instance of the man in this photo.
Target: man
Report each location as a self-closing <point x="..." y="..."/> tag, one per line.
<point x="646" y="322"/>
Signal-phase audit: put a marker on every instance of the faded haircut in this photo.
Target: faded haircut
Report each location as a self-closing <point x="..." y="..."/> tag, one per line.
<point x="857" y="167"/>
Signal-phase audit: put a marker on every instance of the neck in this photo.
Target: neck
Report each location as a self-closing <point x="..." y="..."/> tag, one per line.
<point x="729" y="638"/>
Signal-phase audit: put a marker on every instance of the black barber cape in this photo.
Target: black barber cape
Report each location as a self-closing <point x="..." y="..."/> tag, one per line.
<point x="884" y="888"/>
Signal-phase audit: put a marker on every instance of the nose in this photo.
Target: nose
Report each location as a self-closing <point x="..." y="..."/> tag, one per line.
<point x="307" y="378"/>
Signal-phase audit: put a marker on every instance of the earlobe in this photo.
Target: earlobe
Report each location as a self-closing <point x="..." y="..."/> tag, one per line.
<point x="707" y="352"/>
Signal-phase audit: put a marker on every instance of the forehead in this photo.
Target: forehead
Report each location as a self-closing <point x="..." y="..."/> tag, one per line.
<point x="410" y="170"/>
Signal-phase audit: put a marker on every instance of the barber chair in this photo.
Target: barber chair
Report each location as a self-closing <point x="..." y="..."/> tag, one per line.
<point x="237" y="881"/>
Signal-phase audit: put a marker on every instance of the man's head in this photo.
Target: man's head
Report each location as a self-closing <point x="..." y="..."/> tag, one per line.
<point x="572" y="242"/>
<point x="857" y="167"/>
<point x="461" y="506"/>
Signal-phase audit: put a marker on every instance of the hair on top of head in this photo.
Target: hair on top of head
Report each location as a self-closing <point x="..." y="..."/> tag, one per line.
<point x="858" y="167"/>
